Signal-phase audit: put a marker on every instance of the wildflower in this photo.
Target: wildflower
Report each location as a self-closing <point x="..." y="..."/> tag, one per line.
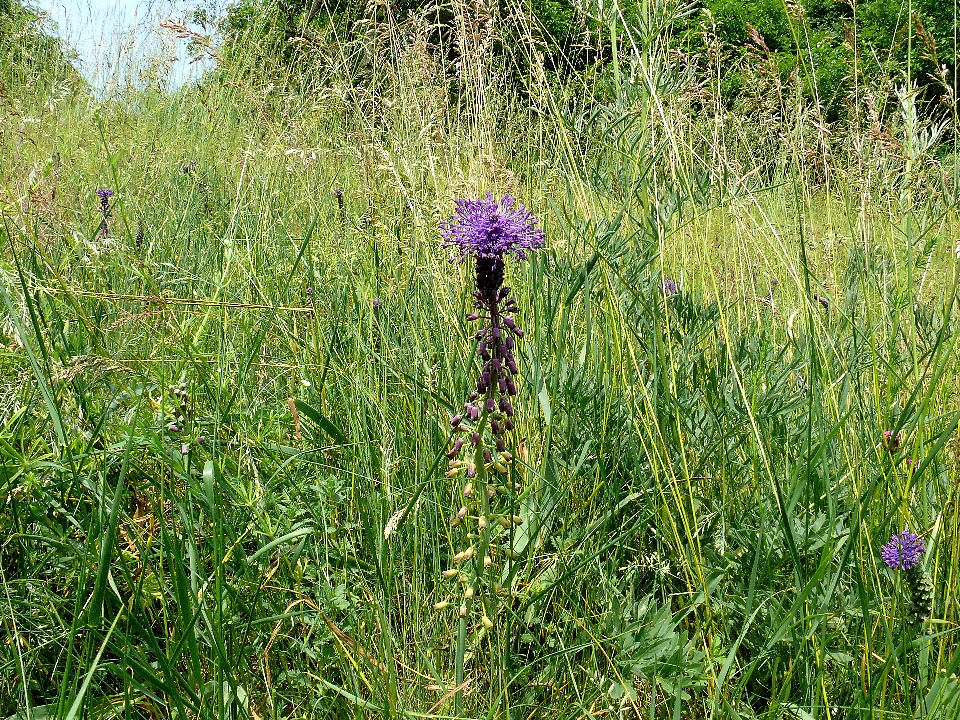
<point x="487" y="230"/>
<point x="891" y="440"/>
<point x="140" y="235"/>
<point x="905" y="552"/>
<point x="670" y="287"/>
<point x="376" y="303"/>
<point x="104" y="195"/>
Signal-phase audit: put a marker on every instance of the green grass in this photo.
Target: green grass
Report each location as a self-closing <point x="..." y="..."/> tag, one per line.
<point x="702" y="477"/>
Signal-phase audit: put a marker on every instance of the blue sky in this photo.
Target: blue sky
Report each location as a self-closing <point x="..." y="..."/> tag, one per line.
<point x="115" y="39"/>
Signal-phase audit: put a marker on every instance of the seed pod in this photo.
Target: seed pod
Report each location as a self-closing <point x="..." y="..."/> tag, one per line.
<point x="487" y="622"/>
<point x="504" y="523"/>
<point x="468" y="593"/>
<point x="454" y="521"/>
<point x="462" y="513"/>
<point x="441" y="605"/>
<point x="468" y="490"/>
<point x="517" y="520"/>
<point x="491" y="492"/>
<point x="471" y="470"/>
<point x="487" y="561"/>
<point x="452" y="472"/>
<point x="463" y="610"/>
<point x="500" y="467"/>
<point x="452" y="572"/>
<point x="510" y="553"/>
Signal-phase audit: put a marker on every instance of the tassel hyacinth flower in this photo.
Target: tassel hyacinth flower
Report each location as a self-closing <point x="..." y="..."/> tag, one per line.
<point x="104" y="196"/>
<point x="488" y="231"/>
<point x="904" y="552"/>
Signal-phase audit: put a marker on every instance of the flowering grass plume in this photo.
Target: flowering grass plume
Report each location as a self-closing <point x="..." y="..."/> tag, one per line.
<point x="104" y="195"/>
<point x="904" y="552"/>
<point x="488" y="231"/>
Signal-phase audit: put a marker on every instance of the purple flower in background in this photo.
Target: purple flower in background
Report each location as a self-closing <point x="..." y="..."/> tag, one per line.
<point x="670" y="287"/>
<point x="489" y="229"/>
<point x="104" y="196"/>
<point x="892" y="441"/>
<point x="903" y="552"/>
<point x="376" y="303"/>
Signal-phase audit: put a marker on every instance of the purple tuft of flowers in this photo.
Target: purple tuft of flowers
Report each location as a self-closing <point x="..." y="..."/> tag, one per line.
<point x="903" y="552"/>
<point x="490" y="229"/>
<point x="670" y="287"/>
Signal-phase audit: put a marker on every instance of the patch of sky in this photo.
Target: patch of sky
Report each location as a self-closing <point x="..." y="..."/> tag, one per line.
<point x="121" y="44"/>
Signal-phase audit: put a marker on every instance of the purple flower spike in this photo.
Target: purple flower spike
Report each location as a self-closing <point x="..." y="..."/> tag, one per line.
<point x="670" y="287"/>
<point x="903" y="552"/>
<point x="104" y="196"/>
<point x="488" y="230"/>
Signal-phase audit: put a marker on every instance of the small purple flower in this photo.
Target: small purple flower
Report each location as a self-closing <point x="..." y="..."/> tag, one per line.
<point x="309" y="292"/>
<point x="670" y="287"/>
<point x="376" y="303"/>
<point x="892" y="441"/>
<point x="903" y="552"/>
<point x="913" y="464"/>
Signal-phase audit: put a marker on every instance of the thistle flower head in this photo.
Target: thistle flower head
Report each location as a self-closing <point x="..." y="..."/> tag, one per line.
<point x="491" y="228"/>
<point x="903" y="552"/>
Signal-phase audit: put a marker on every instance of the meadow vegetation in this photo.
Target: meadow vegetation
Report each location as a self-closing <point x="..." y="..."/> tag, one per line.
<point x="227" y="385"/>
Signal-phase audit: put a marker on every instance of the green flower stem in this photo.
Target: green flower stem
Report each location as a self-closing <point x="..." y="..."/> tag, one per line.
<point x="458" y="680"/>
